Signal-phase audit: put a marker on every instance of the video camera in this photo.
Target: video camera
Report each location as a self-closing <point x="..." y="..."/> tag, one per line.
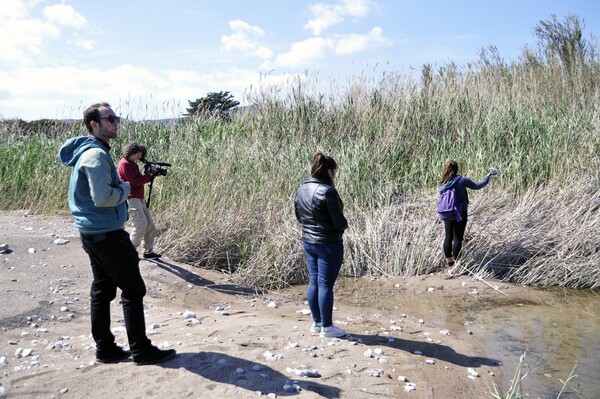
<point x="155" y="167"/>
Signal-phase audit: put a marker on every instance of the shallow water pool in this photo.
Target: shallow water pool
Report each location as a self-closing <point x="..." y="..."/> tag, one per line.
<point x="558" y="329"/>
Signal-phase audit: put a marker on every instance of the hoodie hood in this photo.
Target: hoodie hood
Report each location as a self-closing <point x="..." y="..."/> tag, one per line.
<point x="72" y="149"/>
<point x="449" y="184"/>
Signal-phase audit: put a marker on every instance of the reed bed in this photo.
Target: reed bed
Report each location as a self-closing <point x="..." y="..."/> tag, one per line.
<point x="227" y="202"/>
<point x="546" y="237"/>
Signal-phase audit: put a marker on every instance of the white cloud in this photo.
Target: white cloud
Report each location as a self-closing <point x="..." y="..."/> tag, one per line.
<point x="353" y="43"/>
<point x="82" y="42"/>
<point x="243" y="38"/>
<point x="27" y="37"/>
<point x="239" y="25"/>
<point x="304" y="53"/>
<point x="327" y="15"/>
<point x="65" y="15"/>
<point x="138" y="93"/>
<point x="29" y="34"/>
<point x="13" y="9"/>
<point x="308" y="52"/>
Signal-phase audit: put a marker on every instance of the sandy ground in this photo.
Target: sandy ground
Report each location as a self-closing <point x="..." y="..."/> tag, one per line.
<point x="239" y="345"/>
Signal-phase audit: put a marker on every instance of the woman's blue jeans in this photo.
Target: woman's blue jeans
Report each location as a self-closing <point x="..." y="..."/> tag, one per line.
<point x="324" y="263"/>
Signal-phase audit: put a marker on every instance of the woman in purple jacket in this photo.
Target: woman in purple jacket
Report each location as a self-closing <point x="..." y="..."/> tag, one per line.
<point x="455" y="230"/>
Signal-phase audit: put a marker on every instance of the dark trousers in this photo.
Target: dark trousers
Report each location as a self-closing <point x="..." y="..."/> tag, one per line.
<point x="115" y="264"/>
<point x="455" y="234"/>
<point x="324" y="263"/>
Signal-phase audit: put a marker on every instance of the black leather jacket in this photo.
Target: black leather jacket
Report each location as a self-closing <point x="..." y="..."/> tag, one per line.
<point x="320" y="210"/>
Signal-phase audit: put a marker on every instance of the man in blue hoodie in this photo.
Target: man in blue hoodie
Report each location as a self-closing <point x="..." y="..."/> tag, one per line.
<point x="98" y="202"/>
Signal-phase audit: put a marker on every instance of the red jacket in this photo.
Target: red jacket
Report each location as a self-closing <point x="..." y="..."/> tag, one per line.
<point x="130" y="172"/>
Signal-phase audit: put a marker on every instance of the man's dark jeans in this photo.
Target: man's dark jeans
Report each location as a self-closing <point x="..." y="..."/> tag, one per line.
<point x="115" y="263"/>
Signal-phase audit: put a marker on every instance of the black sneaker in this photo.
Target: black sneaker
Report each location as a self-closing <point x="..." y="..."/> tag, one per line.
<point x="153" y="355"/>
<point x="151" y="255"/>
<point x="112" y="355"/>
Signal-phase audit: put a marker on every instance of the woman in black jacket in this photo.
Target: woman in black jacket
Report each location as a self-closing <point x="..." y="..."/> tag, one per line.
<point x="319" y="209"/>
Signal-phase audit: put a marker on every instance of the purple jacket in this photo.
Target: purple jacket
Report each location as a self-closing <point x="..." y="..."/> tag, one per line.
<point x="460" y="185"/>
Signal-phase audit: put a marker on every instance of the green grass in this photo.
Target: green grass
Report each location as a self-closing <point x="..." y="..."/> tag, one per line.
<point x="227" y="202"/>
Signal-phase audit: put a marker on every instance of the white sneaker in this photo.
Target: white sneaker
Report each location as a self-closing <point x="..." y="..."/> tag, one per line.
<point x="315" y="328"/>
<point x="332" y="332"/>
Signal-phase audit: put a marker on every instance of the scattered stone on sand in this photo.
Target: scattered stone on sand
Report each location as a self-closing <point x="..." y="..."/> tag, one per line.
<point x="472" y="372"/>
<point x="410" y="386"/>
<point x="304" y="372"/>
<point x="270" y="357"/>
<point x="291" y="388"/>
<point x="188" y="314"/>
<point x="271" y="325"/>
<point x="373" y="373"/>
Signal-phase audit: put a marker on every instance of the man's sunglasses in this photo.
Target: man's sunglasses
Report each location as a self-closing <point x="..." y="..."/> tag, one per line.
<point x="112" y="118"/>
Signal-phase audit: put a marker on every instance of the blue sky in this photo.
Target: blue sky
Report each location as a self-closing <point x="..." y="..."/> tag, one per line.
<point x="148" y="58"/>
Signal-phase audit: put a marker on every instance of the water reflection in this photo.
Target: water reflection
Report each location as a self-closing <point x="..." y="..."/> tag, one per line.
<point x="558" y="328"/>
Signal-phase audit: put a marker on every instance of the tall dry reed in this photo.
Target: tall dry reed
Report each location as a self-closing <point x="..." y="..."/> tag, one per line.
<point x="227" y="202"/>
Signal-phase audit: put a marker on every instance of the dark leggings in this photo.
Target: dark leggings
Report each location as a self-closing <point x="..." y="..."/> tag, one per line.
<point x="455" y="233"/>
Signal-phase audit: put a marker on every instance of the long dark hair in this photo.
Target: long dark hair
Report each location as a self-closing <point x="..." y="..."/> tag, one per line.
<point x="321" y="165"/>
<point x="450" y="170"/>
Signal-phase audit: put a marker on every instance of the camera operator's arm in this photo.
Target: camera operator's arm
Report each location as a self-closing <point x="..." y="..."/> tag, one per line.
<point x="105" y="190"/>
<point x="130" y="172"/>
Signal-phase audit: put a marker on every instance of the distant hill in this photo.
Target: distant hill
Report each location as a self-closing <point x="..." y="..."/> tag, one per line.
<point x="234" y="112"/>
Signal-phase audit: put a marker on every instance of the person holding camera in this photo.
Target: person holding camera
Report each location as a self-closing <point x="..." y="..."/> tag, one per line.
<point x="143" y="229"/>
<point x="97" y="201"/>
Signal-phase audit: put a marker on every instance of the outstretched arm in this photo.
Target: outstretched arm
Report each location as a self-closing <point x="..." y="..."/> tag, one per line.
<point x="476" y="186"/>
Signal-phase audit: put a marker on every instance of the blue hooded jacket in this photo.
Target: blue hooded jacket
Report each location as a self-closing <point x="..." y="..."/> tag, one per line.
<point x="97" y="198"/>
<point x="460" y="184"/>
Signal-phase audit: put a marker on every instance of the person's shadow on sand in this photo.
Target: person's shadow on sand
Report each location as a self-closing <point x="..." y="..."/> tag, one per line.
<point x="226" y="369"/>
<point x="428" y="349"/>
<point x="192" y="278"/>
